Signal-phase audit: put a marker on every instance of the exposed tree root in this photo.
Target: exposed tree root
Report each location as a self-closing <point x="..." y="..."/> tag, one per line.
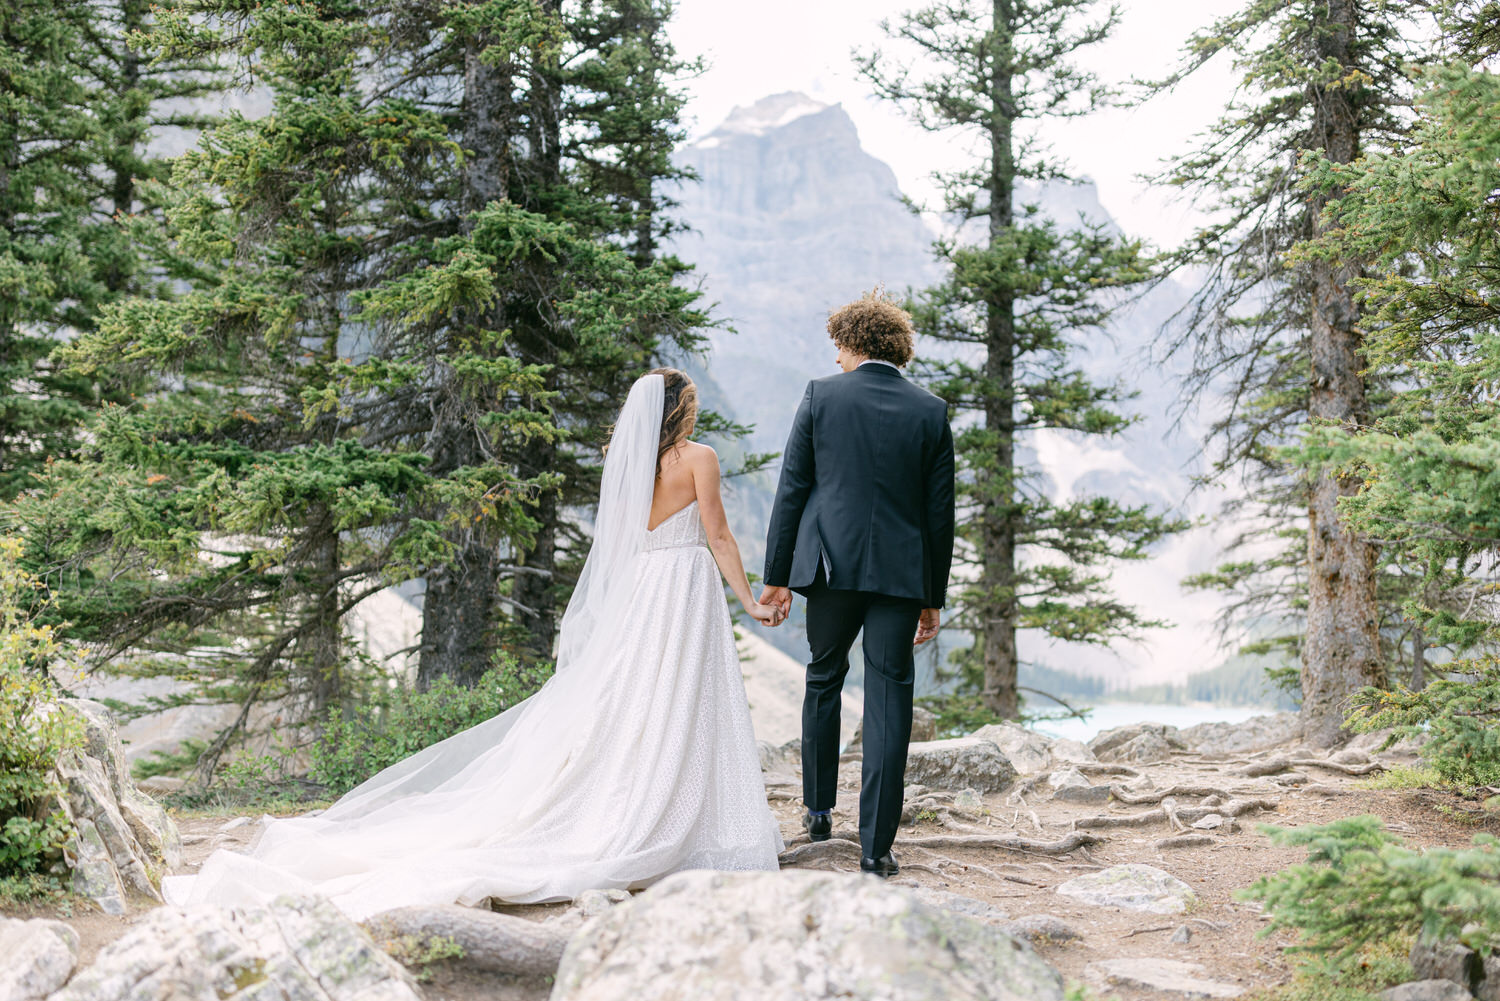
<point x="1157" y="795"/>
<point x="1271" y="766"/>
<point x="1092" y="768"/>
<point x="1182" y="815"/>
<point x="838" y="846"/>
<point x="1184" y="841"/>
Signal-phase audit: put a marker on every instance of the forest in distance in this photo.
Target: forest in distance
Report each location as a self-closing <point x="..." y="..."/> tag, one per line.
<point x="373" y="338"/>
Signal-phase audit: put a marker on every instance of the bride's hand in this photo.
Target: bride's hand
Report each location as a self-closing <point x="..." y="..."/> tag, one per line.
<point x="766" y="615"/>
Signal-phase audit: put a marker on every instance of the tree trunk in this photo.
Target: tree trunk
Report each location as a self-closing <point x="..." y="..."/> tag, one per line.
<point x="1418" y="658"/>
<point x="128" y="133"/>
<point x="1342" y="651"/>
<point x="327" y="634"/>
<point x="998" y="607"/>
<point x="460" y="607"/>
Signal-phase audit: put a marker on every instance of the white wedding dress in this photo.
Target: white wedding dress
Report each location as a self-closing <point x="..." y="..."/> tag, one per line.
<point x="634" y="761"/>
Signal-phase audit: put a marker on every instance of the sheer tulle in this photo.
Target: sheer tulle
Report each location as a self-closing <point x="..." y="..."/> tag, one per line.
<point x="636" y="759"/>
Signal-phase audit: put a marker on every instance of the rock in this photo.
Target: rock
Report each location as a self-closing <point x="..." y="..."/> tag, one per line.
<point x="593" y="903"/>
<point x="498" y="943"/>
<point x="294" y="949"/>
<point x="960" y="904"/>
<point x="1168" y="976"/>
<point x="923" y="728"/>
<point x="120" y="836"/>
<point x="1371" y="743"/>
<point x="798" y="936"/>
<point x="1182" y="936"/>
<point x="1426" y="990"/>
<point x="958" y="764"/>
<point x="1108" y="745"/>
<point x="1254" y="734"/>
<point x="1043" y="929"/>
<point x="1212" y="822"/>
<point x="1449" y="960"/>
<point x="39" y="957"/>
<point x="1070" y="786"/>
<point x="784" y="758"/>
<point x="1030" y="752"/>
<point x="1073" y="752"/>
<point x="1142" y="749"/>
<point x="235" y="824"/>
<point x="968" y="799"/>
<point x="160" y="785"/>
<point x="1350" y="756"/>
<point x="1134" y="886"/>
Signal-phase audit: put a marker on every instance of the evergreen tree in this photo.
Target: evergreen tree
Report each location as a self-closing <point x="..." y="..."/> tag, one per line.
<point x="1015" y="307"/>
<point x="1425" y="216"/>
<point x="47" y="282"/>
<point x="1286" y="338"/>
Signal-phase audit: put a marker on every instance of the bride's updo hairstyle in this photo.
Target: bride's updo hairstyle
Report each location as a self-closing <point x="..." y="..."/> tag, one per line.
<point x="679" y="410"/>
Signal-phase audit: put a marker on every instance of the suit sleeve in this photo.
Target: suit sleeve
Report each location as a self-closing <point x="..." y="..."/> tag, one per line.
<point x="792" y="491"/>
<point x="940" y="515"/>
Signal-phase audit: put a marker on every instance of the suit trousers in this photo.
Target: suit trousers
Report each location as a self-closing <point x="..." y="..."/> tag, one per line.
<point x="834" y="618"/>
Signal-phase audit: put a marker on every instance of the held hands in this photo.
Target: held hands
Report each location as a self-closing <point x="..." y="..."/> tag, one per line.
<point x="780" y="600"/>
<point x="927" y="625"/>
<point x="766" y="615"/>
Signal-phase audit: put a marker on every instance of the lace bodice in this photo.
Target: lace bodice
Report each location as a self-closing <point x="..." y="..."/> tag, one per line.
<point x="681" y="528"/>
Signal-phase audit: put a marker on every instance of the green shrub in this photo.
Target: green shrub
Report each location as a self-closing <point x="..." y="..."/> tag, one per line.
<point x="1360" y="887"/>
<point x="32" y="825"/>
<point x="1460" y="715"/>
<point x="358" y="743"/>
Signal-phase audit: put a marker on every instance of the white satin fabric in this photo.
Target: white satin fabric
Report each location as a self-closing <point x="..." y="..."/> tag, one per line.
<point x="636" y="760"/>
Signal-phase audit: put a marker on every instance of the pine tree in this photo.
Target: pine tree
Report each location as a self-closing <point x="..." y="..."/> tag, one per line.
<point x="1425" y="216"/>
<point x="47" y="283"/>
<point x="1016" y="306"/>
<point x="1285" y="338"/>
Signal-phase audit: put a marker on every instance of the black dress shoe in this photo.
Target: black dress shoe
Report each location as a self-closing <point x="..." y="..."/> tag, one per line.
<point x="819" y="827"/>
<point x="885" y="866"/>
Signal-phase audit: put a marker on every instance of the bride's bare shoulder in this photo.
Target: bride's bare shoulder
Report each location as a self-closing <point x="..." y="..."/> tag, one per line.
<point x="694" y="451"/>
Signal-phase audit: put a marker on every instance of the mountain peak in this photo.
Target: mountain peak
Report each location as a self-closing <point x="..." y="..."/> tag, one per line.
<point x="769" y="113"/>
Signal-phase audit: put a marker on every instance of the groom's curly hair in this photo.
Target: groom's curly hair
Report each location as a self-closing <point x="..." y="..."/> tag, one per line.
<point x="873" y="326"/>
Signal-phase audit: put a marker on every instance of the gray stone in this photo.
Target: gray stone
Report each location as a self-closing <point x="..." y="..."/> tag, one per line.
<point x="1212" y="822"/>
<point x="1043" y="929"/>
<point x="782" y="758"/>
<point x="593" y="903"/>
<point x="795" y="936"/>
<point x="968" y="799"/>
<point x="1182" y="936"/>
<point x="960" y="904"/>
<point x="1109" y="745"/>
<point x="1073" y="752"/>
<point x="498" y="943"/>
<point x="38" y="956"/>
<point x="1070" y="786"/>
<point x="1134" y="887"/>
<point x="1447" y="961"/>
<point x="294" y="949"/>
<point x="1030" y="752"/>
<point x="958" y="764"/>
<point x="1166" y="976"/>
<point x="1257" y="733"/>
<point x="122" y="839"/>
<point x="1142" y="749"/>
<point x="1426" y="990"/>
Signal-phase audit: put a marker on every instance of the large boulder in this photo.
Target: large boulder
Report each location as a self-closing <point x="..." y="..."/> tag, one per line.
<point x="1133" y="887"/>
<point x="1168" y="977"/>
<point x="122" y="840"/>
<point x="795" y="936"/>
<point x="1030" y="752"/>
<point x="1257" y="733"/>
<point x="1138" y="743"/>
<point x="38" y="957"/>
<point x="958" y="764"/>
<point x="294" y="949"/>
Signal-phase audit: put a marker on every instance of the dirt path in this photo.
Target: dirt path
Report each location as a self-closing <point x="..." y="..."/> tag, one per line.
<point x="1223" y="930"/>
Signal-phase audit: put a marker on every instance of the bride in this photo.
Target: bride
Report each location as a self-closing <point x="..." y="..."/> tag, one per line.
<point x="635" y="760"/>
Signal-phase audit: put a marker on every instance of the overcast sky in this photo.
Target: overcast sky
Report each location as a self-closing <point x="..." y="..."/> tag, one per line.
<point x="777" y="45"/>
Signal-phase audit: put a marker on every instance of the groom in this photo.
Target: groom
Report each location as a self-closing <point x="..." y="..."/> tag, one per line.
<point x="863" y="528"/>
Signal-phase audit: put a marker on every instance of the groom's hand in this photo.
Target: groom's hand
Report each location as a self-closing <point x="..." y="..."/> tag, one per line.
<point x="927" y="625"/>
<point x="781" y="597"/>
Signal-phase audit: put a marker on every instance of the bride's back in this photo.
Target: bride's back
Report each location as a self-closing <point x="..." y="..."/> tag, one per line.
<point x="675" y="488"/>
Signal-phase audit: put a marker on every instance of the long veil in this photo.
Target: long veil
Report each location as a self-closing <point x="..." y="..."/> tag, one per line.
<point x="515" y="757"/>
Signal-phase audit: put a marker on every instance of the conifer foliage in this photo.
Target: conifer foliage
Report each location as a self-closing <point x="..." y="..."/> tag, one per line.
<point x="1003" y="332"/>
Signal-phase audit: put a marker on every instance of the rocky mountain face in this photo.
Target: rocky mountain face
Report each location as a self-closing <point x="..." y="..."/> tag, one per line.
<point x="791" y="218"/>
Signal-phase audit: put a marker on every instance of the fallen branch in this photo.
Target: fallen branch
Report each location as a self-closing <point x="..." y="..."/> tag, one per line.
<point x="1144" y="931"/>
<point x="497" y="943"/>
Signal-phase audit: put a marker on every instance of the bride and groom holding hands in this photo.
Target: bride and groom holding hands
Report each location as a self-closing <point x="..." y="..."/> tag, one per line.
<point x="637" y="758"/>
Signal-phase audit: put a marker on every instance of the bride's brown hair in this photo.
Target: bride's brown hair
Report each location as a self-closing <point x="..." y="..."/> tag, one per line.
<point x="679" y="410"/>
